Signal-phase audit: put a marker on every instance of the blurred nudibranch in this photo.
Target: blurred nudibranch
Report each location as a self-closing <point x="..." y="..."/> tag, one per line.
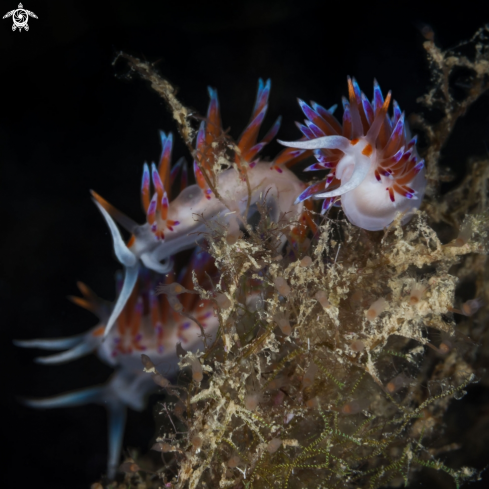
<point x="150" y="322"/>
<point x="374" y="169"/>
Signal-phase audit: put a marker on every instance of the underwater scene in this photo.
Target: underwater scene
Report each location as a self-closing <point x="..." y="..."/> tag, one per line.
<point x="246" y="246"/>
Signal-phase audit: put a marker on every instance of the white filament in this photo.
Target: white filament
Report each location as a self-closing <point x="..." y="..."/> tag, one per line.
<point x="130" y="279"/>
<point x="125" y="256"/>
<point x="361" y="167"/>
<point x="353" y="158"/>
<point x="326" y="142"/>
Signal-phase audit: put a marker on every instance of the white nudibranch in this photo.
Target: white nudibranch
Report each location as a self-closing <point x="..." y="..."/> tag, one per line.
<point x="374" y="169"/>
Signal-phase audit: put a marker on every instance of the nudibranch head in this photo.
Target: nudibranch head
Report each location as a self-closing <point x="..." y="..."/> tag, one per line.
<point x="372" y="161"/>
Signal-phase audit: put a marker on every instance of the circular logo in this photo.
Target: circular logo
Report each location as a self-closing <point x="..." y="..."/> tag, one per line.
<point x="20" y="19"/>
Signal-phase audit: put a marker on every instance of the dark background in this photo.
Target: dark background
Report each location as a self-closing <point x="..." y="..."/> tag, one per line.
<point x="70" y="121"/>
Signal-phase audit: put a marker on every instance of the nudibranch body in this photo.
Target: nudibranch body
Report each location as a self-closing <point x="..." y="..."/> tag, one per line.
<point x="141" y="320"/>
<point x="149" y="323"/>
<point x="373" y="164"/>
<point x="174" y="225"/>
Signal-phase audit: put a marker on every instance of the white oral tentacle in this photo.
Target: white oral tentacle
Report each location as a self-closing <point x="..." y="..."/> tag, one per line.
<point x="326" y="142"/>
<point x="125" y="256"/>
<point x="131" y="269"/>
<point x="150" y="261"/>
<point x="87" y="346"/>
<point x="362" y="166"/>
<point x="362" y="163"/>
<point x="130" y="279"/>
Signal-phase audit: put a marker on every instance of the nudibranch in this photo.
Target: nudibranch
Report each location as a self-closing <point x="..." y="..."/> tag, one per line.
<point x="173" y="226"/>
<point x="141" y="321"/>
<point x="374" y="169"/>
<point x="149" y="323"/>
